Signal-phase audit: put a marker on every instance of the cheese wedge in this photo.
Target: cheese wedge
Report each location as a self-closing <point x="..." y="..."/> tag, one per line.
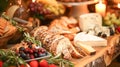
<point x="88" y="49"/>
<point x="90" y="39"/>
<point x="90" y="21"/>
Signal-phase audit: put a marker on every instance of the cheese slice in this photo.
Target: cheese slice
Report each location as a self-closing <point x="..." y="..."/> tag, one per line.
<point x="88" y="49"/>
<point x="90" y="39"/>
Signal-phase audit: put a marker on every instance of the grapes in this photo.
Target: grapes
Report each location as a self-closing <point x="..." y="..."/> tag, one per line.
<point x="111" y="19"/>
<point x="30" y="46"/>
<point x="32" y="5"/>
<point x="42" y="54"/>
<point x="104" y="35"/>
<point x="99" y="34"/>
<point x="21" y="49"/>
<point x="111" y="31"/>
<point x="31" y="52"/>
<point x="36" y="55"/>
<point x="22" y="54"/>
<point x="39" y="9"/>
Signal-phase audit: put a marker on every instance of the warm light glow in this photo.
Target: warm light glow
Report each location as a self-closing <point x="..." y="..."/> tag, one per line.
<point x="19" y="2"/>
<point x="100" y="2"/>
<point x="118" y="5"/>
<point x="96" y="0"/>
<point x="33" y="0"/>
<point x="100" y="8"/>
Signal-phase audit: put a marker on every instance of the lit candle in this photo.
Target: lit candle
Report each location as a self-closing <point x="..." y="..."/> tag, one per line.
<point x="100" y="8"/>
<point x="118" y="5"/>
<point x="33" y="1"/>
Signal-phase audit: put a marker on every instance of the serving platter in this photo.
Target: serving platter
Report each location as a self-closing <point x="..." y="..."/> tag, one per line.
<point x="44" y="57"/>
<point x="77" y="3"/>
<point x="107" y="53"/>
<point x="78" y="8"/>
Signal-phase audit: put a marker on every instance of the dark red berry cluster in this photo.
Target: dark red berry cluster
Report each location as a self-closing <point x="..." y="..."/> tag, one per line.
<point x="39" y="9"/>
<point x="31" y="52"/>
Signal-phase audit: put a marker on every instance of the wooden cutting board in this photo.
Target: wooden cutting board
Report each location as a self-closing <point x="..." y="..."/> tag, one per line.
<point x="101" y="51"/>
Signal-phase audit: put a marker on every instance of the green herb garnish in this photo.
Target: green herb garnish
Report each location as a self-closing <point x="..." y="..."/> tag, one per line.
<point x="32" y="39"/>
<point x="58" y="60"/>
<point x="9" y="57"/>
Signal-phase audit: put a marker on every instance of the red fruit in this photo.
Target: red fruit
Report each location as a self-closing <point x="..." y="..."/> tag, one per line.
<point x="52" y="65"/>
<point x="39" y="53"/>
<point x="39" y="49"/>
<point x="31" y="51"/>
<point x="27" y="50"/>
<point x="1" y="64"/>
<point x="42" y="50"/>
<point x="32" y="56"/>
<point x="36" y="50"/>
<point x="118" y="29"/>
<point x="24" y="65"/>
<point x="43" y="63"/>
<point x="33" y="63"/>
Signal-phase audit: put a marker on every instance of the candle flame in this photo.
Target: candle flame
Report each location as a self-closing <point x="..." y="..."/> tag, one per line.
<point x="100" y="8"/>
<point x="100" y="1"/>
<point x="33" y="0"/>
<point x="118" y="5"/>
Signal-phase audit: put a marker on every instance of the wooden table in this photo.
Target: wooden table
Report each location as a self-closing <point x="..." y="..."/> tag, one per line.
<point x="108" y="53"/>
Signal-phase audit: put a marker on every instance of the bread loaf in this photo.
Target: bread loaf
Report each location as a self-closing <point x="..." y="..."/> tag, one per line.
<point x="64" y="25"/>
<point x="57" y="44"/>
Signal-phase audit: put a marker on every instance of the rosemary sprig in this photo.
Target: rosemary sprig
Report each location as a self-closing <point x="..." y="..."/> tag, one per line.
<point x="32" y="39"/>
<point x="58" y="60"/>
<point x="9" y="57"/>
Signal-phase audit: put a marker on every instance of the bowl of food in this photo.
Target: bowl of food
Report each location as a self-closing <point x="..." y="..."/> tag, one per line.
<point x="47" y="9"/>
